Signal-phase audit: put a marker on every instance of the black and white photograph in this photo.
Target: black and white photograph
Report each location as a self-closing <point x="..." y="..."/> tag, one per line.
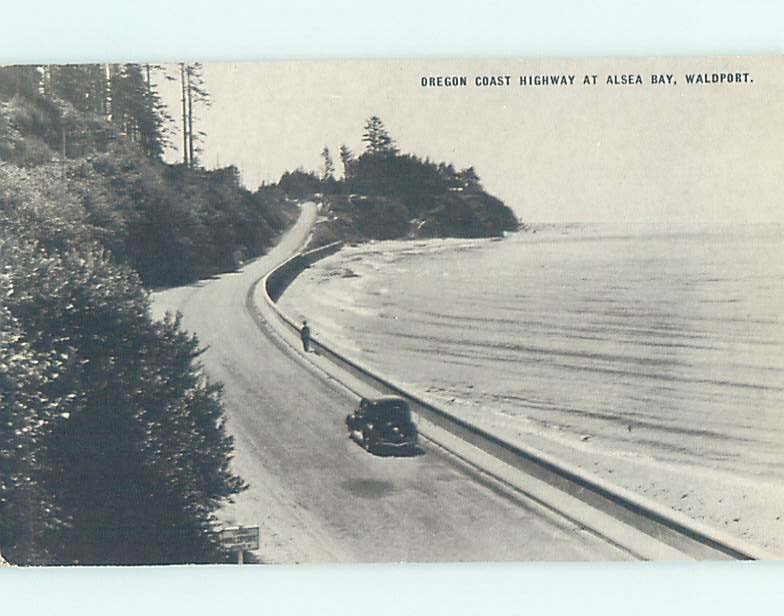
<point x="385" y="311"/>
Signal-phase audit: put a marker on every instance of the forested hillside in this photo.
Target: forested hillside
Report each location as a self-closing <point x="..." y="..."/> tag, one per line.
<point x="112" y="441"/>
<point x="384" y="194"/>
<point x="113" y="448"/>
<point x="88" y="140"/>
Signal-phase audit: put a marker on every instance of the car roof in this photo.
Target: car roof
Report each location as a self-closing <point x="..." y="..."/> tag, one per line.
<point x="384" y="399"/>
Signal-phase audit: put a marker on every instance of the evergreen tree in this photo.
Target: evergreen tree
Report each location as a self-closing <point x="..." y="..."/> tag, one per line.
<point x="137" y="109"/>
<point x="86" y="95"/>
<point x="469" y="180"/>
<point x="347" y="158"/>
<point x="327" y="167"/>
<point x="194" y="93"/>
<point x="377" y="138"/>
<point x="300" y="183"/>
<point x="82" y="85"/>
<point x="22" y="80"/>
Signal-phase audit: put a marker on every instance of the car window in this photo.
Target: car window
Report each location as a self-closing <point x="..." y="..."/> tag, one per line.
<point x="362" y="408"/>
<point x="390" y="411"/>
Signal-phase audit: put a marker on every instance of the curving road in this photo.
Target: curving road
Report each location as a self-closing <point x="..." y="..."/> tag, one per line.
<point x="316" y="495"/>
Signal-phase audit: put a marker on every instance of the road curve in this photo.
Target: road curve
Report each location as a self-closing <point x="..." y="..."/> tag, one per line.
<point x="316" y="495"/>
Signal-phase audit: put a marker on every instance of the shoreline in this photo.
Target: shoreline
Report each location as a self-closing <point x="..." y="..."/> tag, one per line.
<point x="727" y="501"/>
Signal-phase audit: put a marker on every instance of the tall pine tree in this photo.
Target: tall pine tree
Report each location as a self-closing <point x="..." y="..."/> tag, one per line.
<point x="194" y="93"/>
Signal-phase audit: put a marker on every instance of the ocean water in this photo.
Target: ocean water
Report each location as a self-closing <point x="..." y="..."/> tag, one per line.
<point x="650" y="354"/>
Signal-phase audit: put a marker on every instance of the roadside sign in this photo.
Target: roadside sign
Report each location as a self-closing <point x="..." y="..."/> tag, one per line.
<point x="240" y="538"/>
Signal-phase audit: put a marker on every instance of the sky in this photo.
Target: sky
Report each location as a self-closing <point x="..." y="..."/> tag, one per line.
<point x="555" y="153"/>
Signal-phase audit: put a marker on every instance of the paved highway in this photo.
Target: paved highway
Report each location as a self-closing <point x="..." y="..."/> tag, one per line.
<point x="317" y="496"/>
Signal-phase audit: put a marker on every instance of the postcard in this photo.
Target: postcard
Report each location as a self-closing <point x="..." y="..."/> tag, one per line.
<point x="391" y="311"/>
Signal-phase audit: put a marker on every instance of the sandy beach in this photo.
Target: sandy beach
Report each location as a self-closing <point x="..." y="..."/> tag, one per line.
<point x="649" y="356"/>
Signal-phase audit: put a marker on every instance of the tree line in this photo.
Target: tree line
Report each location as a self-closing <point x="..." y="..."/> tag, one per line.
<point x="104" y="128"/>
<point x="113" y="447"/>
<point x="124" y="94"/>
<point x="381" y="169"/>
<point x="385" y="194"/>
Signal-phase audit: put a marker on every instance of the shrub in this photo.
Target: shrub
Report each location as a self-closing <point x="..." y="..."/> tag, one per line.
<point x="112" y="438"/>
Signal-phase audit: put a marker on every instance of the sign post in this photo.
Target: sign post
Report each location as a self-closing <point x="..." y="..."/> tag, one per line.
<point x="239" y="539"/>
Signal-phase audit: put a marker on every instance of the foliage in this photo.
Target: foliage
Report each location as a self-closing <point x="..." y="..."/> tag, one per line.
<point x="27" y="511"/>
<point x="136" y="108"/>
<point x="194" y="93"/>
<point x="357" y="218"/>
<point x="377" y="138"/>
<point x="347" y="159"/>
<point x="385" y="194"/>
<point x="299" y="183"/>
<point x="76" y="109"/>
<point x="112" y="441"/>
<point x="328" y="181"/>
<point x="36" y="206"/>
<point x="113" y="448"/>
<point x="85" y="86"/>
<point x="170" y="223"/>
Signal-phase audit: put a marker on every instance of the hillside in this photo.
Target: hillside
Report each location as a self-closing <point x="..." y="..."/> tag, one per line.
<point x="384" y="194"/>
<point x="96" y="169"/>
<point x="113" y="446"/>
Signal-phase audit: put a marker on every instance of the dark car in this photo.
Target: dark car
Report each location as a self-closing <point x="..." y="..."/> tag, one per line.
<point x="383" y="424"/>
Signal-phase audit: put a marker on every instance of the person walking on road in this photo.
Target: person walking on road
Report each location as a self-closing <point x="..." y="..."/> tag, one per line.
<point x="304" y="334"/>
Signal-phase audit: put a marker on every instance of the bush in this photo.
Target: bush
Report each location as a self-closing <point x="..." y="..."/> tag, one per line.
<point x="389" y="195"/>
<point x="299" y="184"/>
<point x="112" y="439"/>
